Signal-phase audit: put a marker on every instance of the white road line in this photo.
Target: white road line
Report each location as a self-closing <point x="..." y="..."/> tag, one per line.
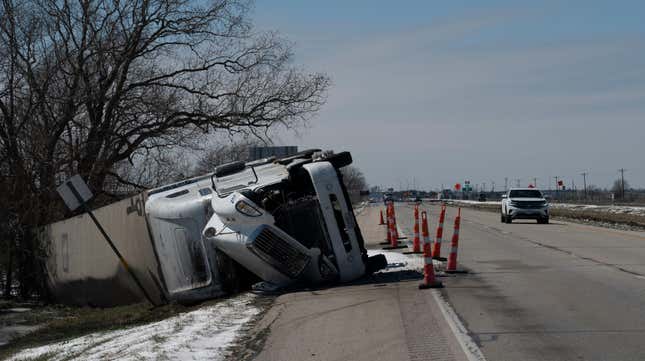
<point x="467" y="344"/>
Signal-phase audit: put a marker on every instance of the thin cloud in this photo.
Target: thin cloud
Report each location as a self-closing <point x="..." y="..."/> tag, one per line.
<point x="417" y="101"/>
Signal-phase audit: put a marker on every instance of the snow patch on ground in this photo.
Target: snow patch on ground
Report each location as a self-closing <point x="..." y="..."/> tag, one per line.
<point x="596" y="208"/>
<point x="203" y="334"/>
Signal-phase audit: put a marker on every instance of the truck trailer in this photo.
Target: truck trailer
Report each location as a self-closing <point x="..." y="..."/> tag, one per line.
<point x="274" y="222"/>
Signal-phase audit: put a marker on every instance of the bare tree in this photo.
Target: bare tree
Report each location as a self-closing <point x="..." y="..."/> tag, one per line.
<point x="354" y="179"/>
<point x="224" y="153"/>
<point x="90" y="86"/>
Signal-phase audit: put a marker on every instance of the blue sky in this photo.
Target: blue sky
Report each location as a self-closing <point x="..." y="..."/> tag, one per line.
<point x="439" y="92"/>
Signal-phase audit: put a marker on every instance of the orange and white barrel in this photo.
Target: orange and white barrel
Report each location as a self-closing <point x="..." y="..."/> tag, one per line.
<point x="454" y="245"/>
<point x="436" y="250"/>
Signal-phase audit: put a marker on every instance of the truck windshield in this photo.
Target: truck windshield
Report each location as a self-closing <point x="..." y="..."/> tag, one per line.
<point x="525" y="193"/>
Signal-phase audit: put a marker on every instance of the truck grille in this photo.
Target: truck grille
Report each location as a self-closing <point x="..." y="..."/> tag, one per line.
<point x="277" y="251"/>
<point x="529" y="204"/>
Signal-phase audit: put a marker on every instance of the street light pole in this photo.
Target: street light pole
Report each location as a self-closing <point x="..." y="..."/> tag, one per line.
<point x="622" y="184"/>
<point x="584" y="181"/>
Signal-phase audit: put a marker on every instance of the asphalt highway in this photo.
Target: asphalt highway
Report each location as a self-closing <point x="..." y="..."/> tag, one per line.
<point x="561" y="291"/>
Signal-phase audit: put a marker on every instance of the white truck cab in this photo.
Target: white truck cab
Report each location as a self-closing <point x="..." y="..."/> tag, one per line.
<point x="285" y="220"/>
<point x="524" y="203"/>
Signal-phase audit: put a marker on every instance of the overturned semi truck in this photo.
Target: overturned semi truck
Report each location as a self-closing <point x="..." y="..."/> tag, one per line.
<point x="282" y="221"/>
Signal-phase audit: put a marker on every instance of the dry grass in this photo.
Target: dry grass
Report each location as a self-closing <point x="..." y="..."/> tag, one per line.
<point x="632" y="220"/>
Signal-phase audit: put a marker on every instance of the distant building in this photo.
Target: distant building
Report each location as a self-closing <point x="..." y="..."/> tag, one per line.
<point x="265" y="152"/>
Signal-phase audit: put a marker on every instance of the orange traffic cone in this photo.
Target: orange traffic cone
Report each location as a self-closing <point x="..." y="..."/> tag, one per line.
<point x="454" y="245"/>
<point x="381" y="221"/>
<point x="388" y="229"/>
<point x="394" y="235"/>
<point x="395" y="230"/>
<point x="424" y="227"/>
<point x="436" y="251"/>
<point x="429" y="280"/>
<point x="416" y="243"/>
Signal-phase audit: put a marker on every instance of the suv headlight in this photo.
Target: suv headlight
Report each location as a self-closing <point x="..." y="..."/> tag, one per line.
<point x="247" y="209"/>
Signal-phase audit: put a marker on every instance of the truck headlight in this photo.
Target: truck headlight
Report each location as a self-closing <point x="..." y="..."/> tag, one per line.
<point x="247" y="209"/>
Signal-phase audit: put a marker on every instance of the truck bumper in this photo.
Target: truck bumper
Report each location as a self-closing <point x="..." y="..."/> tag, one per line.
<point x="522" y="213"/>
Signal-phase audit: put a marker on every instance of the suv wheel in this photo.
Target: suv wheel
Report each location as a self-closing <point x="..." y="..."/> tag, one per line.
<point x="503" y="218"/>
<point x="509" y="219"/>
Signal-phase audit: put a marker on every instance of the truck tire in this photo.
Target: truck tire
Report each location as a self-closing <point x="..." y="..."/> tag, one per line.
<point x="340" y="160"/>
<point x="509" y="220"/>
<point x="503" y="218"/>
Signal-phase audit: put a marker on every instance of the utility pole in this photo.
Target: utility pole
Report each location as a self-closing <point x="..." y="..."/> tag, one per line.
<point x="535" y="182"/>
<point x="483" y="186"/>
<point x="492" y="190"/>
<point x="505" y="184"/>
<point x="622" y="184"/>
<point x="584" y="181"/>
<point x="517" y="182"/>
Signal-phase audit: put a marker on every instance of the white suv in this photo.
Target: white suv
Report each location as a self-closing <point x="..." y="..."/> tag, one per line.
<point x="524" y="203"/>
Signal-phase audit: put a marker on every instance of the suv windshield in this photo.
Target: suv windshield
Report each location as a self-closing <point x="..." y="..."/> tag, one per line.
<point x="525" y="193"/>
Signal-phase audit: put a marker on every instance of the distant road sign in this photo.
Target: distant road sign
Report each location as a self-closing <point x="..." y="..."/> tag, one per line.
<point x="457" y="186"/>
<point x="467" y="186"/>
<point x="74" y="192"/>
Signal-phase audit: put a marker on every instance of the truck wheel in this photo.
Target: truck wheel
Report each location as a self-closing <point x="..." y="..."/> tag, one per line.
<point x="544" y="220"/>
<point x="509" y="220"/>
<point x="340" y="160"/>
<point x="503" y="218"/>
